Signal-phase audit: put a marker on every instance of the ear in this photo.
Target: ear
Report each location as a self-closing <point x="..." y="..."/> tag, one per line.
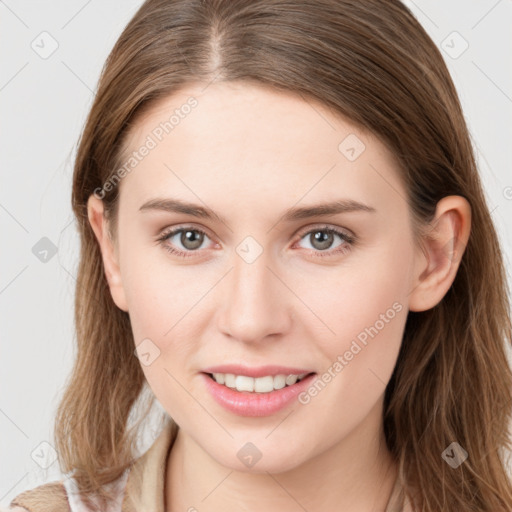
<point x="108" y="249"/>
<point x="443" y="246"/>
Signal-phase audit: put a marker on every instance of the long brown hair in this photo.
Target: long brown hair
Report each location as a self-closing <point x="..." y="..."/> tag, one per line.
<point x="373" y="63"/>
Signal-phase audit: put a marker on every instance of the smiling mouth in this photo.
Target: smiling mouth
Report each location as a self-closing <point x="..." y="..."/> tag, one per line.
<point x="266" y="384"/>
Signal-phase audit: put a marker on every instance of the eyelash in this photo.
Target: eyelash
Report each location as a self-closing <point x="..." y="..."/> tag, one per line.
<point x="348" y="239"/>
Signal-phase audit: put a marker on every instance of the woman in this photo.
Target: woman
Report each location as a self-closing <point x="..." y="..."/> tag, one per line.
<point x="280" y="213"/>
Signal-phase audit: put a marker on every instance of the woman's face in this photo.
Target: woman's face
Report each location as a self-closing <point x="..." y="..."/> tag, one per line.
<point x="261" y="280"/>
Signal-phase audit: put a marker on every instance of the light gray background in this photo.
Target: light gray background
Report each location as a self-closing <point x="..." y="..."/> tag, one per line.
<point x="44" y="102"/>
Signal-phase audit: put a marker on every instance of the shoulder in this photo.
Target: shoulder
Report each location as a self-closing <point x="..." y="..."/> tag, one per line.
<point x="49" y="497"/>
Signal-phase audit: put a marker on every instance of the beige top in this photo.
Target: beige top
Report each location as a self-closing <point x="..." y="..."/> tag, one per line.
<point x="141" y="487"/>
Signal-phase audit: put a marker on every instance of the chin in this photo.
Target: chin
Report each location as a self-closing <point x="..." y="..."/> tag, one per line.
<point x="251" y="459"/>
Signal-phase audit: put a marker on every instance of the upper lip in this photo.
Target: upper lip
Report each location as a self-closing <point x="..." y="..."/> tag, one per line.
<point x="256" y="371"/>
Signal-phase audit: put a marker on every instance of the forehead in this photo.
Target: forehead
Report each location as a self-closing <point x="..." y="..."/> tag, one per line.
<point x="233" y="140"/>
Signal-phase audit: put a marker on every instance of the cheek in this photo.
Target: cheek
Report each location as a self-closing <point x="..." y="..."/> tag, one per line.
<point x="148" y="286"/>
<point x="368" y="320"/>
<point x="369" y="315"/>
<point x="158" y="306"/>
<point x="162" y="302"/>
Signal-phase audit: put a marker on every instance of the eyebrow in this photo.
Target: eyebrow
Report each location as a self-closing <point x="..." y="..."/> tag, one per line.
<point x="290" y="215"/>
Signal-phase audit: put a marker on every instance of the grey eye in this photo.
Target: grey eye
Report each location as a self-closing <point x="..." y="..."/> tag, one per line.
<point x="322" y="239"/>
<point x="190" y="239"/>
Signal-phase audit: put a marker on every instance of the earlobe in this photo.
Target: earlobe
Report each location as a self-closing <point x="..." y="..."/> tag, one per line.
<point x="95" y="211"/>
<point x="443" y="246"/>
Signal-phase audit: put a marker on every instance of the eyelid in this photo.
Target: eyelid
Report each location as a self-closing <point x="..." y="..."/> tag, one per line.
<point x="323" y="226"/>
<point x="183" y="227"/>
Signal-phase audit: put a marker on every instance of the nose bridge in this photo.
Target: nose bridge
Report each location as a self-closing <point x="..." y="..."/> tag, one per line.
<point x="250" y="278"/>
<point x="250" y="273"/>
<point x="250" y="309"/>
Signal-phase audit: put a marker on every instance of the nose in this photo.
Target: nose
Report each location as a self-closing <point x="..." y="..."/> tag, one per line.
<point x="254" y="302"/>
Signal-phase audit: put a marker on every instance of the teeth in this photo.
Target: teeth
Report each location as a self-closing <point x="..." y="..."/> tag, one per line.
<point x="259" y="385"/>
<point x="279" y="381"/>
<point x="244" y="383"/>
<point x="291" y="379"/>
<point x="219" y="377"/>
<point x="229" y="380"/>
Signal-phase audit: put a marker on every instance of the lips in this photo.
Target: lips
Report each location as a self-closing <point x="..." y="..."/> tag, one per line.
<point x="260" y="400"/>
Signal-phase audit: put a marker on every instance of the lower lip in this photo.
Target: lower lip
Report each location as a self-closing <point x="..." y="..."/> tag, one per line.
<point x="245" y="403"/>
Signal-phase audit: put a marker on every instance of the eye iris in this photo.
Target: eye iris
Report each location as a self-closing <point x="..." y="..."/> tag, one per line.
<point x="325" y="238"/>
<point x="191" y="239"/>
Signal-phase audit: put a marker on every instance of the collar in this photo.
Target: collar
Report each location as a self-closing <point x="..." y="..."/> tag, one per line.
<point x="145" y="484"/>
<point x="398" y="502"/>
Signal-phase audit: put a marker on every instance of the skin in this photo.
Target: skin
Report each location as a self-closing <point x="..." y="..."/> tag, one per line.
<point x="250" y="153"/>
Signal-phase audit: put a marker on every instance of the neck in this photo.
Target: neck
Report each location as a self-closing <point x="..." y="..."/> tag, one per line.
<point x="355" y="475"/>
